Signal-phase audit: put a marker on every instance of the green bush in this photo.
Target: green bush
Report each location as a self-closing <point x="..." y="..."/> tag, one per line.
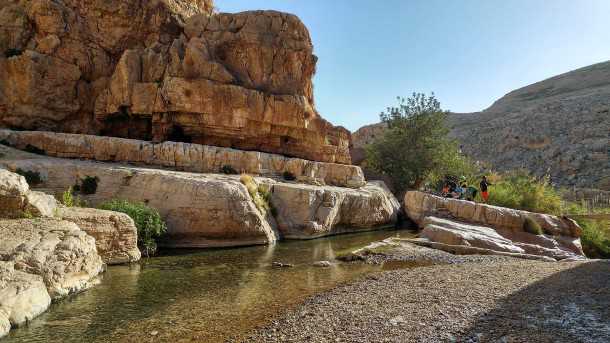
<point x="522" y="191"/>
<point x="69" y="200"/>
<point x="532" y="226"/>
<point x="260" y="196"/>
<point x="35" y="150"/>
<point x="88" y="185"/>
<point x="12" y="52"/>
<point x="416" y="147"/>
<point x="33" y="178"/>
<point x="595" y="238"/>
<point x="288" y="176"/>
<point x="147" y="219"/>
<point x="229" y="170"/>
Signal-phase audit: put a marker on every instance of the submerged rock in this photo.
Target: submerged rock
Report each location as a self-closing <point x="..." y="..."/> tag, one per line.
<point x="457" y="222"/>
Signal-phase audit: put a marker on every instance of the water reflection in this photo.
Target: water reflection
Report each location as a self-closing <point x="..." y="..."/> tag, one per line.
<point x="202" y="295"/>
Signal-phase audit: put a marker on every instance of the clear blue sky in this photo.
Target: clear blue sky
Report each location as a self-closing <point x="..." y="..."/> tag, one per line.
<point x="468" y="52"/>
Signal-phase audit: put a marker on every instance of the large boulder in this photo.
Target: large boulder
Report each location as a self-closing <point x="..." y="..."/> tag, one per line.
<point x="23" y="297"/>
<point x="116" y="236"/>
<point x="308" y="211"/>
<point x="419" y="205"/>
<point x="181" y="156"/>
<point x="18" y="201"/>
<point x="42" y="259"/>
<point x="464" y="223"/>
<point x="59" y="251"/>
<point x="164" y="70"/>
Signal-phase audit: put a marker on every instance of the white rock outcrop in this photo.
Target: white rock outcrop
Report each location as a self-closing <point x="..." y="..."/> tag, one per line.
<point x="59" y="251"/>
<point x="213" y="210"/>
<point x="307" y="211"/>
<point x="465" y="223"/>
<point x="42" y="259"/>
<point x="17" y="200"/>
<point x="23" y="297"/>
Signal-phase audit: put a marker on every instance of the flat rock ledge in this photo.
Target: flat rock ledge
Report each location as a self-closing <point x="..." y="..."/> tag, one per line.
<point x="214" y="210"/>
<point x="42" y="259"/>
<point x="448" y="224"/>
<point x="182" y="156"/>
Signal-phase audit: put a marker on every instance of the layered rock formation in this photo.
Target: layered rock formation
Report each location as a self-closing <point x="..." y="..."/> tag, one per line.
<point x="181" y="156"/>
<point x="211" y="210"/>
<point x="464" y="223"/>
<point x="557" y="126"/>
<point x="164" y="70"/>
<point x="116" y="236"/>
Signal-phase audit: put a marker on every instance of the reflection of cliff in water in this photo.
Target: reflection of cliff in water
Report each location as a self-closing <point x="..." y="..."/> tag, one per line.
<point x="206" y="295"/>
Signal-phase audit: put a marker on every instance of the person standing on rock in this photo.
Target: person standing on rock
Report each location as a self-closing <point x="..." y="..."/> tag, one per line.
<point x="484" y="191"/>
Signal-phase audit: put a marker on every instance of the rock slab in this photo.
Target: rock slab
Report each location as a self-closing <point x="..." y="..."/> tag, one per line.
<point x="457" y="222"/>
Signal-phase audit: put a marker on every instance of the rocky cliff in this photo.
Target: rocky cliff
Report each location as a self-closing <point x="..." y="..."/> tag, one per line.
<point x="558" y="126"/>
<point x="164" y="70"/>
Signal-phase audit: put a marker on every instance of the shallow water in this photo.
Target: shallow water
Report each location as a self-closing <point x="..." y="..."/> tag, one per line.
<point x="209" y="295"/>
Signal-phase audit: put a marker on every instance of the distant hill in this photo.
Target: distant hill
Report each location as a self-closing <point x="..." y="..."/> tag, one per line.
<point x="559" y="126"/>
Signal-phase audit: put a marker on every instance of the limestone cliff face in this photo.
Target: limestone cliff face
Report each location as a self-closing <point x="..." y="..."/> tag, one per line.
<point x="164" y="70"/>
<point x="558" y="126"/>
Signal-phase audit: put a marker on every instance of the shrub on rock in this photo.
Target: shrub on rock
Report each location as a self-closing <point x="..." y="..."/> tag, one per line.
<point x="229" y="170"/>
<point x="33" y="178"/>
<point x="531" y="226"/>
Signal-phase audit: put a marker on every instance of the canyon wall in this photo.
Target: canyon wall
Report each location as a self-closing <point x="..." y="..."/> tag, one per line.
<point x="164" y="70"/>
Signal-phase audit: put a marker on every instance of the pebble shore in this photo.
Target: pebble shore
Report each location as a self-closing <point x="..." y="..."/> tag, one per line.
<point x="471" y="299"/>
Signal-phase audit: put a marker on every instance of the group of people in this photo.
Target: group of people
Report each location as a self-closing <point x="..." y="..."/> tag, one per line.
<point x="461" y="190"/>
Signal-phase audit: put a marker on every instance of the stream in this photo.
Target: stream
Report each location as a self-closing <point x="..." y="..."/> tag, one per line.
<point x="199" y="295"/>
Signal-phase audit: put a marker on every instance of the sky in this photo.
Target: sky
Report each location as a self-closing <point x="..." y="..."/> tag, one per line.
<point x="468" y="52"/>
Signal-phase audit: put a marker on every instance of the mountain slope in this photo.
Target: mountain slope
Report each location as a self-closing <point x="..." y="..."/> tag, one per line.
<point x="559" y="126"/>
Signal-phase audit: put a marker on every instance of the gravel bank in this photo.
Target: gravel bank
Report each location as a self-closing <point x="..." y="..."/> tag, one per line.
<point x="487" y="301"/>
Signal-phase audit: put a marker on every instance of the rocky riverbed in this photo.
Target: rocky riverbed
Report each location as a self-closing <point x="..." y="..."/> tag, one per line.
<point x="492" y="299"/>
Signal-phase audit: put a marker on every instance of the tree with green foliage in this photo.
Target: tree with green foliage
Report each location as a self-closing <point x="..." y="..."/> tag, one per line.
<point x="147" y="219"/>
<point x="416" y="147"/>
